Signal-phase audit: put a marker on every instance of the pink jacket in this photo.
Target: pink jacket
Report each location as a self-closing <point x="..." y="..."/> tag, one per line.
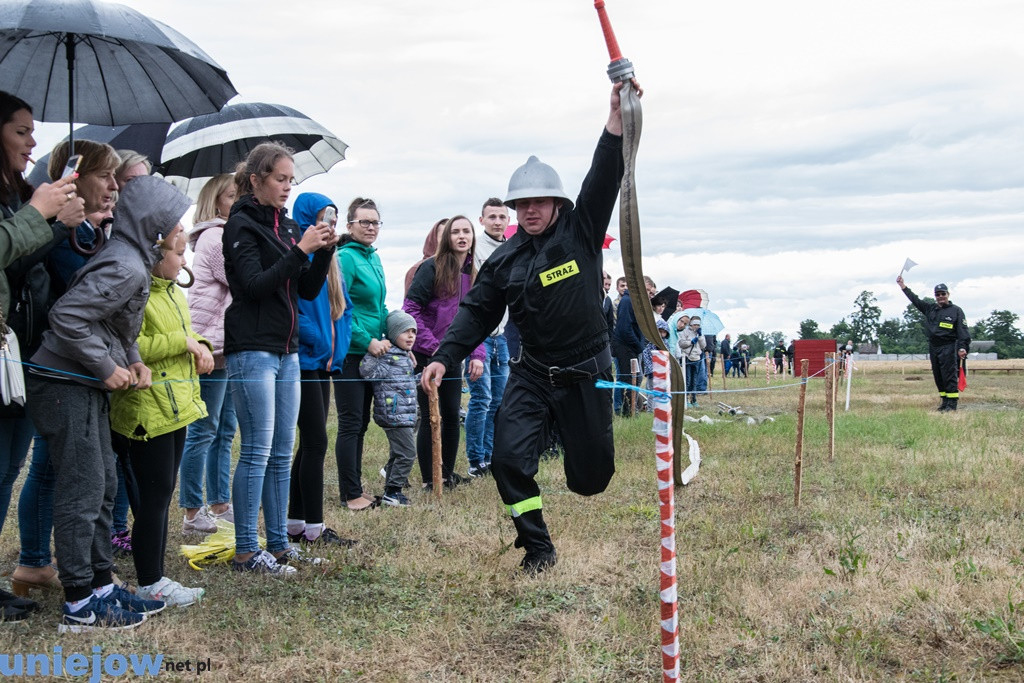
<point x="209" y="296"/>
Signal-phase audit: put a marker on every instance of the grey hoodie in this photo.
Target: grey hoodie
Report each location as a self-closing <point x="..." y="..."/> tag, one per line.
<point x="94" y="326"/>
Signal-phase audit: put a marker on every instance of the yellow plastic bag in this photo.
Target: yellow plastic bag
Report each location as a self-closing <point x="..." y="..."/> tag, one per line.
<point x="217" y="548"/>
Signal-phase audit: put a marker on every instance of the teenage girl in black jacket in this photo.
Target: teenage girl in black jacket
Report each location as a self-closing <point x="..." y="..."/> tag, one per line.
<point x="267" y="268"/>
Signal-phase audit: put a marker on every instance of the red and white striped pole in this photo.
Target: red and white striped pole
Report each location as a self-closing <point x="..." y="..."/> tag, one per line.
<point x="666" y="505"/>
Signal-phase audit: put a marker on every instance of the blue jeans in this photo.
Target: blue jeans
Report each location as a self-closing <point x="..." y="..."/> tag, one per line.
<point x="484" y="398"/>
<point x="35" y="508"/>
<point x="208" y="446"/>
<point x="265" y="390"/>
<point x="617" y="394"/>
<point x="696" y="379"/>
<point x="15" y="436"/>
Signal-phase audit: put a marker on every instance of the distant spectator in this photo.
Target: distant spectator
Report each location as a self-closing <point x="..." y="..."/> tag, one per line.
<point x="726" y="350"/>
<point x="627" y="344"/>
<point x="692" y="345"/>
<point x="778" y="354"/>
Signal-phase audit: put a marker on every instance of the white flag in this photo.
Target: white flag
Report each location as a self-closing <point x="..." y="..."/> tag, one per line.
<point x="908" y="264"/>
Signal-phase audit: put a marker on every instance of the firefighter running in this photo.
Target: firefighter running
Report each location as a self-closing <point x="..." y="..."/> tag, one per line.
<point x="549" y="277"/>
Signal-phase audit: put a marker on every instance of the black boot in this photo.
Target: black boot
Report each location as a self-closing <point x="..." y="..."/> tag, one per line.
<point x="945" y="405"/>
<point x="533" y="535"/>
<point x="952" y="404"/>
<point x="537" y="562"/>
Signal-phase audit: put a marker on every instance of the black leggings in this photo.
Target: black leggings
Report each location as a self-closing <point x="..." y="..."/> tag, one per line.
<point x="449" y="400"/>
<point x="306" y="493"/>
<point x="353" y="397"/>
<point x="151" y="470"/>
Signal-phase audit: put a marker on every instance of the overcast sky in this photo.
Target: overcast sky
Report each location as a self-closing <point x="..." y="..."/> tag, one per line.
<point x="793" y="153"/>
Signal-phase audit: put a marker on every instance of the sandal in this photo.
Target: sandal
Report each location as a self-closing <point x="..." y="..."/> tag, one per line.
<point x="360" y="503"/>
<point x="24" y="579"/>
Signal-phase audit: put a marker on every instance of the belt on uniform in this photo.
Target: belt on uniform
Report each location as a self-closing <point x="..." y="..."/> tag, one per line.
<point x="567" y="375"/>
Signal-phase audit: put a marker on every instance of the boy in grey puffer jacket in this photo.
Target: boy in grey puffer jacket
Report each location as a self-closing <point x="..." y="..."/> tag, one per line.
<point x="394" y="402"/>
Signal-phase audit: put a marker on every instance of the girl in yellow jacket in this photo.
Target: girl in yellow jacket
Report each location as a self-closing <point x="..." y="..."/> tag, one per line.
<point x="148" y="427"/>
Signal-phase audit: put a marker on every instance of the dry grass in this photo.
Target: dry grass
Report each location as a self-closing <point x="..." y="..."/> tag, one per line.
<point x="903" y="563"/>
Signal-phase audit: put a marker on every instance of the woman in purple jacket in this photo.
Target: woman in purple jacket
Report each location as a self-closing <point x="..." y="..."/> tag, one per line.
<point x="433" y="298"/>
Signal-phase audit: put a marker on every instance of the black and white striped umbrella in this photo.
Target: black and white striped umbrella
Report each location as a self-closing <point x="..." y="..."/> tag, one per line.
<point x="200" y="148"/>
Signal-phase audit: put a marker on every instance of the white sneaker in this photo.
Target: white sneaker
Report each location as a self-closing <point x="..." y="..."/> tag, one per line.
<point x="227" y="516"/>
<point x="202" y="523"/>
<point x="172" y="593"/>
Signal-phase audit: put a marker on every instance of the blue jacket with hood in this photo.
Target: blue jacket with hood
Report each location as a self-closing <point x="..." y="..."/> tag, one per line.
<point x="323" y="342"/>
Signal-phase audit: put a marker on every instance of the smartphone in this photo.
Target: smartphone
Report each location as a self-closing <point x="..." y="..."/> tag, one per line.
<point x="330" y="215"/>
<point x="72" y="165"/>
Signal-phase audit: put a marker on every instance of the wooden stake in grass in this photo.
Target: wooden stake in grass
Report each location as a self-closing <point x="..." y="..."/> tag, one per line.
<point x="435" y="442"/>
<point x="830" y="404"/>
<point x="666" y="507"/>
<point x="798" y="473"/>
<point x="707" y="366"/>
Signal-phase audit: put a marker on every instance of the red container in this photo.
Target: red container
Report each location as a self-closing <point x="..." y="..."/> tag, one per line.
<point x="813" y="350"/>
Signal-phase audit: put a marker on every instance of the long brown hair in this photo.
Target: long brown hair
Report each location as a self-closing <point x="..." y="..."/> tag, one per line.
<point x="448" y="265"/>
<point x="12" y="183"/>
<point x="335" y="289"/>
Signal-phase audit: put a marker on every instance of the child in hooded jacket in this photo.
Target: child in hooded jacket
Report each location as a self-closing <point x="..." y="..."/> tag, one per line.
<point x="90" y="350"/>
<point x="394" y="402"/>
<point x="149" y="427"/>
<point x="325" y="330"/>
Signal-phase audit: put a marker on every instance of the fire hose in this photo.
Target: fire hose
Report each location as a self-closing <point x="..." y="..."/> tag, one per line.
<point x="621" y="69"/>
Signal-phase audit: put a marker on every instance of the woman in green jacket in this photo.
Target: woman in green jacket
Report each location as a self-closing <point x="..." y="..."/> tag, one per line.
<point x="148" y="427"/>
<point x="364" y="282"/>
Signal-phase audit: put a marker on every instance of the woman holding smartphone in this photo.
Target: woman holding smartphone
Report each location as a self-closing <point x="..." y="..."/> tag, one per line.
<point x="24" y="233"/>
<point x="267" y="267"/>
<point x="325" y="328"/>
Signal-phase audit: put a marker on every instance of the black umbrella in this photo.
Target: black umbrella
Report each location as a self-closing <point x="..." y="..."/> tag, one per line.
<point x="144" y="138"/>
<point x="671" y="297"/>
<point x="199" y="149"/>
<point x="96" y="62"/>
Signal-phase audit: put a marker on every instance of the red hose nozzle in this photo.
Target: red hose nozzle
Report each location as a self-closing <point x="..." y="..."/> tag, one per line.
<point x="614" y="53"/>
<point x="620" y="68"/>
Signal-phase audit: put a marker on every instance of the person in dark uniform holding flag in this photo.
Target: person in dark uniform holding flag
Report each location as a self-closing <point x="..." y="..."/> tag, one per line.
<point x="549" y="277"/>
<point x="948" y="340"/>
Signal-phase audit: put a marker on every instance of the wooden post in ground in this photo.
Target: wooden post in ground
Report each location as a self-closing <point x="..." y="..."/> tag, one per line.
<point x="830" y="405"/>
<point x="435" y="440"/>
<point x="707" y="367"/>
<point x="798" y="470"/>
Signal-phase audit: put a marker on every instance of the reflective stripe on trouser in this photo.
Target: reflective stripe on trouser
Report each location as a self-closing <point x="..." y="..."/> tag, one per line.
<point x="522" y="432"/>
<point x="522" y="506"/>
<point x="944" y="369"/>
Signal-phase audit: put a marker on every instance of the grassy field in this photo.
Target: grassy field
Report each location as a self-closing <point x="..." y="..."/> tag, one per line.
<point x="904" y="562"/>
